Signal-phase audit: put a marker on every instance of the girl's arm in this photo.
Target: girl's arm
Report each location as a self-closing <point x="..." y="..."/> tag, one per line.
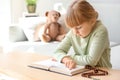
<point x="63" y="48"/>
<point x="62" y="51"/>
<point x="98" y="47"/>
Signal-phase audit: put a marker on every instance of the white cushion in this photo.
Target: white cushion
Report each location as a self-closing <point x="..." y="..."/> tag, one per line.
<point x="113" y="44"/>
<point x="16" y="34"/>
<point x="28" y="25"/>
<point x="62" y="22"/>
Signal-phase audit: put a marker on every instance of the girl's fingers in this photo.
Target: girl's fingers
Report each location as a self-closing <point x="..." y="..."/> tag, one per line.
<point x="54" y="59"/>
<point x="70" y="64"/>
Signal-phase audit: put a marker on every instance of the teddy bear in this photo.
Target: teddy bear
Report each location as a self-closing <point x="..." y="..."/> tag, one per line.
<point x="52" y="30"/>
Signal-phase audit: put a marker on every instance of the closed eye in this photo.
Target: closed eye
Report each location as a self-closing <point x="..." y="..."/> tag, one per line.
<point x="79" y="27"/>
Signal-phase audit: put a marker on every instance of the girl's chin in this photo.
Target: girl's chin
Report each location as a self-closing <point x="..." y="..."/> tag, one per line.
<point x="80" y="35"/>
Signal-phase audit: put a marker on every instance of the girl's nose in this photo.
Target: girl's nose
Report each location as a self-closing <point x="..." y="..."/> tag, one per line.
<point x="75" y="31"/>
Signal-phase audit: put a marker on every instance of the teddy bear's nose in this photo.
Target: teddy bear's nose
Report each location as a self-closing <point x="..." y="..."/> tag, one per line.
<point x="56" y="17"/>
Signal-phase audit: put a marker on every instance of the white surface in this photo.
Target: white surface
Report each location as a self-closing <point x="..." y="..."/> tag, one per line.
<point x="115" y="57"/>
<point x="49" y="48"/>
<point x="36" y="47"/>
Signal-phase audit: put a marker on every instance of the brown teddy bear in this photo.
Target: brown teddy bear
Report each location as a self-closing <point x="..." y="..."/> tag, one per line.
<point x="51" y="30"/>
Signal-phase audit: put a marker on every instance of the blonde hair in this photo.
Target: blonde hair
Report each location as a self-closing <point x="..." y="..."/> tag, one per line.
<point x="78" y="12"/>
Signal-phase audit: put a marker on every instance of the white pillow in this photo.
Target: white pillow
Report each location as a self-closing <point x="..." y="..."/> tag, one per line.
<point x="62" y="22"/>
<point x="113" y="44"/>
<point x="16" y="34"/>
<point x="28" y="25"/>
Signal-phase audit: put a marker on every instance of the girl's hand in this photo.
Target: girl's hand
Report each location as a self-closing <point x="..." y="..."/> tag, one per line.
<point x="69" y="62"/>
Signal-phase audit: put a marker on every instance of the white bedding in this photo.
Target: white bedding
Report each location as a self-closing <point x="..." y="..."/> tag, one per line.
<point x="37" y="47"/>
<point x="48" y="49"/>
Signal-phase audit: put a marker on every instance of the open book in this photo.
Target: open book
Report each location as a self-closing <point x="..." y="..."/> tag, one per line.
<point x="57" y="67"/>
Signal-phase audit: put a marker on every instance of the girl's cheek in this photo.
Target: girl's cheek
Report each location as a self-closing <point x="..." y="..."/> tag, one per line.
<point x="74" y="31"/>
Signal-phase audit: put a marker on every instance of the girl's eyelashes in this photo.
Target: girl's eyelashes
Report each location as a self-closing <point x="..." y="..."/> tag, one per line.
<point x="79" y="27"/>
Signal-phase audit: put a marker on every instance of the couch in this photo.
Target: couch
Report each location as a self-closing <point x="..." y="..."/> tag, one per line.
<point x="21" y="39"/>
<point x="21" y="36"/>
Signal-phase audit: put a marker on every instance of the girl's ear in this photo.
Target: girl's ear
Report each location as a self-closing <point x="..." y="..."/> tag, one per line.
<point x="93" y="21"/>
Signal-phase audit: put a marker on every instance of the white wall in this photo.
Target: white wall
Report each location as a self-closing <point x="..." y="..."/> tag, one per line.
<point x="19" y="6"/>
<point x="5" y="20"/>
<point x="109" y="12"/>
<point x="44" y="5"/>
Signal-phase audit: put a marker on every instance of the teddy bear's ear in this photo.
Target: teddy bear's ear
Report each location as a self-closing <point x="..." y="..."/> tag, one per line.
<point x="46" y="14"/>
<point x="59" y="14"/>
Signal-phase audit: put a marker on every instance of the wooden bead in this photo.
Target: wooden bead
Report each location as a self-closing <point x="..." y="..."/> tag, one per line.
<point x="95" y="72"/>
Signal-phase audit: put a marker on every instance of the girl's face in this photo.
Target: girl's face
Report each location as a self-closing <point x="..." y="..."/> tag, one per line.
<point x="84" y="29"/>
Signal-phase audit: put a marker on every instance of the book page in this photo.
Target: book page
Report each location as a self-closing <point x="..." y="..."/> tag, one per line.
<point x="50" y="63"/>
<point x="45" y="64"/>
<point x="57" y="67"/>
<point x="61" y="68"/>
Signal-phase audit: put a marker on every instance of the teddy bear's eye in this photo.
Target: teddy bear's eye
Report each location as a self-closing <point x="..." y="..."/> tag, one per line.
<point x="55" y="15"/>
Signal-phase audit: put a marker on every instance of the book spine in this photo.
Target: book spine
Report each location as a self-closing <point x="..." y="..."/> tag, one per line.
<point x="38" y="68"/>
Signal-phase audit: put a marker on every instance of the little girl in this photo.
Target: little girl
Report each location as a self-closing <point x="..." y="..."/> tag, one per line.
<point x="88" y="37"/>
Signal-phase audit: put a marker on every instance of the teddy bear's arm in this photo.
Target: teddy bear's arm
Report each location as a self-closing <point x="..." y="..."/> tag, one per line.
<point x="61" y="34"/>
<point x="62" y="30"/>
<point x="44" y="36"/>
<point x="46" y="27"/>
